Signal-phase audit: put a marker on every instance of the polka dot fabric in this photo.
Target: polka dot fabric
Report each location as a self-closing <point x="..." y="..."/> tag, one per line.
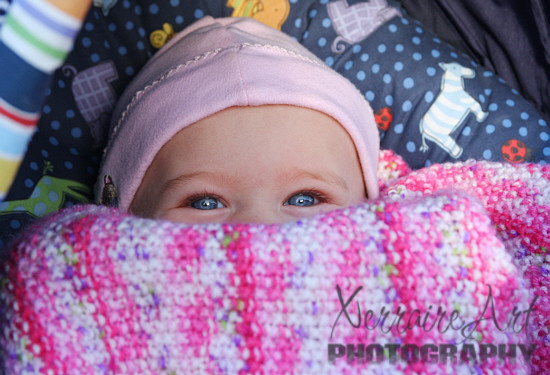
<point x="394" y="62"/>
<point x="444" y="106"/>
<point x="64" y="155"/>
<point x="94" y="290"/>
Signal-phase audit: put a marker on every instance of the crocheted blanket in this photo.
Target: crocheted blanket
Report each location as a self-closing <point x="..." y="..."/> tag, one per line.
<point x="446" y="273"/>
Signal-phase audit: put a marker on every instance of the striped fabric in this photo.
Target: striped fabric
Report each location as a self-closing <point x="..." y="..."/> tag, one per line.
<point x="16" y="129"/>
<point x="35" y="39"/>
<point x="39" y="33"/>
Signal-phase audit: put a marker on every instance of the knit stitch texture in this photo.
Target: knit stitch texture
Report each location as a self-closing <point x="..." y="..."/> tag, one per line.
<point x="90" y="290"/>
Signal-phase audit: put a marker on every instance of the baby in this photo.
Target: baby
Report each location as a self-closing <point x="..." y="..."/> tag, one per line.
<point x="233" y="121"/>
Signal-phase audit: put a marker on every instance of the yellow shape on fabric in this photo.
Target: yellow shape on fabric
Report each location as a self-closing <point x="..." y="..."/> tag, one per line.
<point x="47" y="196"/>
<point x="159" y="38"/>
<point x="8" y="170"/>
<point x="269" y="12"/>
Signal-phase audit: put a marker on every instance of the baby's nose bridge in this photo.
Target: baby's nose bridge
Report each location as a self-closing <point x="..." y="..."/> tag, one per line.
<point x="257" y="214"/>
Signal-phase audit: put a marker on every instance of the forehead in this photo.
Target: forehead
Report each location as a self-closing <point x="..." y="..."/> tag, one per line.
<point x="266" y="133"/>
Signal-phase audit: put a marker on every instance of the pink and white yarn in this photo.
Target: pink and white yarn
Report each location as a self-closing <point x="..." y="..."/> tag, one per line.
<point x="89" y="290"/>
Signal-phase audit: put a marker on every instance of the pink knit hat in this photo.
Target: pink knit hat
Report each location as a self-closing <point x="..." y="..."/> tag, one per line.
<point x="215" y="64"/>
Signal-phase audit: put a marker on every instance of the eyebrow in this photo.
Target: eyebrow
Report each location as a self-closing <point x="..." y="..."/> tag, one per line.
<point x="328" y="178"/>
<point x="181" y="180"/>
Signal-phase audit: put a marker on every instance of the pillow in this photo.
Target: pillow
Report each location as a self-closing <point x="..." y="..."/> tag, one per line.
<point x="61" y="164"/>
<point x="445" y="107"/>
<point x="394" y="62"/>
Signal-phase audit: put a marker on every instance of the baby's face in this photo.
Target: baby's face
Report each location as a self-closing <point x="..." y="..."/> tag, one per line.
<point x="268" y="164"/>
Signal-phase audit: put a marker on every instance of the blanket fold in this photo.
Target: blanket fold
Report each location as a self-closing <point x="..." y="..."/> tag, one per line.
<point x="446" y="273"/>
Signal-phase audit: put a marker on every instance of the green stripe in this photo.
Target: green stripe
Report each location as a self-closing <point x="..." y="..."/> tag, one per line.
<point x="27" y="35"/>
<point x="248" y="10"/>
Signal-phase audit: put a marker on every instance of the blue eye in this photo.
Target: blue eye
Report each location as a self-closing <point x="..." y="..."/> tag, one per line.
<point x="207" y="203"/>
<point x="301" y="200"/>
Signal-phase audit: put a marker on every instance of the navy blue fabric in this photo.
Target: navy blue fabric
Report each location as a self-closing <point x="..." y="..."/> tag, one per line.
<point x="398" y="66"/>
<point x="512" y="38"/>
<point x="393" y="61"/>
<point x="29" y="97"/>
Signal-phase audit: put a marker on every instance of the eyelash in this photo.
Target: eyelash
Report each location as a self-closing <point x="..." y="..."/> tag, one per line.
<point x="316" y="193"/>
<point x="321" y="197"/>
<point x="204" y="194"/>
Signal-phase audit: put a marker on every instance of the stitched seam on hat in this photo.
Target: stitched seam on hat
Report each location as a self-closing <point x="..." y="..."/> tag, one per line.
<point x="285" y="51"/>
<point x="195" y="59"/>
<point x="242" y="81"/>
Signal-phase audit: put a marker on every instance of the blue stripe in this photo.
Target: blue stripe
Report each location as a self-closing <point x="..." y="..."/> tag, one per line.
<point x="12" y="143"/>
<point x="22" y="86"/>
<point x="50" y="23"/>
<point x="453" y="113"/>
